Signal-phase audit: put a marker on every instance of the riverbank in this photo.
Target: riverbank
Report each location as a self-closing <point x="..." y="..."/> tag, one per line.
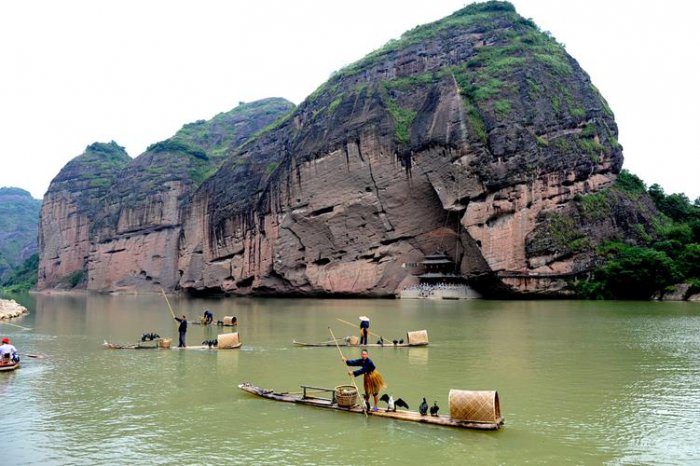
<point x="9" y="308"/>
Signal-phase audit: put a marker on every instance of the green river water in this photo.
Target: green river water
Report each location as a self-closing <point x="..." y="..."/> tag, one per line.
<point x="579" y="382"/>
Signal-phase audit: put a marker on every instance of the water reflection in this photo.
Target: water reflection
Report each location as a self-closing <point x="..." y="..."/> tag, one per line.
<point x="579" y="382"/>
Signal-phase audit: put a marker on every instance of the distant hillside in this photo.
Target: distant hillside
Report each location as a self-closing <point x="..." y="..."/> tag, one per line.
<point x="18" y="229"/>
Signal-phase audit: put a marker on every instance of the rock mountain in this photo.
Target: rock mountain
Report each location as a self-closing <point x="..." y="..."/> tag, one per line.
<point x="477" y="134"/>
<point x="19" y="212"/>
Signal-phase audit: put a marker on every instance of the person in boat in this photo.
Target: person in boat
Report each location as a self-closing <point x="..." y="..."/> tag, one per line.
<point x="8" y="352"/>
<point x="364" y="329"/>
<point x="373" y="380"/>
<point x="208" y="317"/>
<point x="182" y="329"/>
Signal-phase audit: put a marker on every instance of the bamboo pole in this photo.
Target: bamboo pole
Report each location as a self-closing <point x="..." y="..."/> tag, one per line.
<point x="15" y="325"/>
<point x="352" y="378"/>
<point x="169" y="306"/>
<point x="368" y="330"/>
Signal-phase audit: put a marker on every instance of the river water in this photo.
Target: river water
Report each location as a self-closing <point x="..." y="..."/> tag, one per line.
<point x="579" y="382"/>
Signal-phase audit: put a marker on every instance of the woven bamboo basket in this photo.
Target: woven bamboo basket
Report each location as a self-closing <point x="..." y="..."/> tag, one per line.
<point x="417" y="337"/>
<point x="353" y="340"/>
<point x="475" y="406"/>
<point x="346" y="395"/>
<point x="228" y="340"/>
<point x="230" y="320"/>
<point x="164" y="343"/>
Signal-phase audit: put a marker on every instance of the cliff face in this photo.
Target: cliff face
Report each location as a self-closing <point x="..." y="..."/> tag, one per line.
<point x="18" y="230"/>
<point x="477" y="135"/>
<point x="68" y="210"/>
<point x="462" y="135"/>
<point x="137" y="229"/>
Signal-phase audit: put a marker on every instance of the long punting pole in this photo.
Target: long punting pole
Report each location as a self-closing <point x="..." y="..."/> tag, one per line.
<point x="364" y="410"/>
<point x="368" y="330"/>
<point x="169" y="306"/>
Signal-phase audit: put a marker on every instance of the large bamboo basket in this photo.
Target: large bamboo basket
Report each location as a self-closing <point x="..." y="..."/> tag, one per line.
<point x="352" y="340"/>
<point x="230" y="320"/>
<point x="475" y="406"/>
<point x="346" y="395"/>
<point x="228" y="340"/>
<point x="164" y="343"/>
<point x="417" y="338"/>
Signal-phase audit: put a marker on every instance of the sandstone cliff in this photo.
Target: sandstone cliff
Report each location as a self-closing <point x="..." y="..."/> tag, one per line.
<point x="68" y="211"/>
<point x="477" y="135"/>
<point x="467" y="135"/>
<point x="130" y="240"/>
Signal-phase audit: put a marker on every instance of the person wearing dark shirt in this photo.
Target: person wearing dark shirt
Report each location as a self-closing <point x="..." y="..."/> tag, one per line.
<point x="373" y="380"/>
<point x="208" y="317"/>
<point x="364" y="329"/>
<point x="182" y="329"/>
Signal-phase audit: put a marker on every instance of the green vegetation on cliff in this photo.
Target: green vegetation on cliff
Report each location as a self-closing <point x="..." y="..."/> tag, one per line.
<point x="18" y="229"/>
<point x="671" y="254"/>
<point x="22" y="278"/>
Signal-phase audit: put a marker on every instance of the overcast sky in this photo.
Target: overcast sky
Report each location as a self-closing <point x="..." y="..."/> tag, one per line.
<point x="134" y="71"/>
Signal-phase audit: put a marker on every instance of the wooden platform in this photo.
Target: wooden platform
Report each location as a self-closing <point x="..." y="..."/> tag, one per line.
<point x="329" y="403"/>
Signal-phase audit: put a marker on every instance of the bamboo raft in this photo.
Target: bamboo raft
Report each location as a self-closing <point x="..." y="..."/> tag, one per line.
<point x="345" y="343"/>
<point x="109" y="345"/>
<point x="401" y="415"/>
<point x="153" y="344"/>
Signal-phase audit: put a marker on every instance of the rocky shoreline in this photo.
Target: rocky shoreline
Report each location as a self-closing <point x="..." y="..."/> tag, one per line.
<point x="9" y="308"/>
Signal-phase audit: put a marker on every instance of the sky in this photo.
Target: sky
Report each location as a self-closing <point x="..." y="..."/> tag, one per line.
<point x="74" y="72"/>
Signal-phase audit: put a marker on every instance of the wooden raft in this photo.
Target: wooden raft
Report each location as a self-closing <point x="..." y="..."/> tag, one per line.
<point x="329" y="403"/>
<point x="8" y="367"/>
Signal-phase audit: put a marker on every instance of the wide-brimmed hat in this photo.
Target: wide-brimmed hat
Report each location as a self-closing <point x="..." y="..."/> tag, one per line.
<point x="364" y="318"/>
<point x="6" y="340"/>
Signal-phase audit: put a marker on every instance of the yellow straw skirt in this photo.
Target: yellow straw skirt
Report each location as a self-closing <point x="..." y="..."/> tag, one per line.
<point x="373" y="382"/>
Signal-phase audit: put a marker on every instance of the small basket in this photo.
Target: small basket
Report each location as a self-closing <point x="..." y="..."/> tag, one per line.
<point x="164" y="343"/>
<point x="346" y="396"/>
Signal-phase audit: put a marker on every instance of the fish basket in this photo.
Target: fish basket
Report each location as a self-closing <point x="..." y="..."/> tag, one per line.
<point x="230" y="321"/>
<point x="346" y="396"/>
<point x="228" y="340"/>
<point x="164" y="343"/>
<point x="474" y="406"/>
<point x="419" y="337"/>
<point x="352" y="340"/>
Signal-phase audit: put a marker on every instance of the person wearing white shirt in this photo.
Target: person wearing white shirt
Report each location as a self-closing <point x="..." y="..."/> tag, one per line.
<point x="8" y="351"/>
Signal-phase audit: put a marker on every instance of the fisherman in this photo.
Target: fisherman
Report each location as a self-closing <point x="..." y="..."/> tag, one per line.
<point x="8" y="352"/>
<point x="208" y="317"/>
<point x="182" y="329"/>
<point x="364" y="329"/>
<point x="373" y="380"/>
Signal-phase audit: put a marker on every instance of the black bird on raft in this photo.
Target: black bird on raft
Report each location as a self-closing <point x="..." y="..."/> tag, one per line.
<point x="423" y="408"/>
<point x="380" y="341"/>
<point x="401" y="341"/>
<point x="391" y="404"/>
<point x="220" y="323"/>
<point x="395" y="342"/>
<point x="434" y="409"/>
<point x="210" y="343"/>
<point x="149" y="336"/>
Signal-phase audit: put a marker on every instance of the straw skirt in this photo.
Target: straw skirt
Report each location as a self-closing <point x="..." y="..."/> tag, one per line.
<point x="373" y="382"/>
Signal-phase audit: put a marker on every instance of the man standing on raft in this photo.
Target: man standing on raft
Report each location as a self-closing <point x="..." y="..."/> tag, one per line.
<point x="182" y="330"/>
<point x="373" y="381"/>
<point x="364" y="329"/>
